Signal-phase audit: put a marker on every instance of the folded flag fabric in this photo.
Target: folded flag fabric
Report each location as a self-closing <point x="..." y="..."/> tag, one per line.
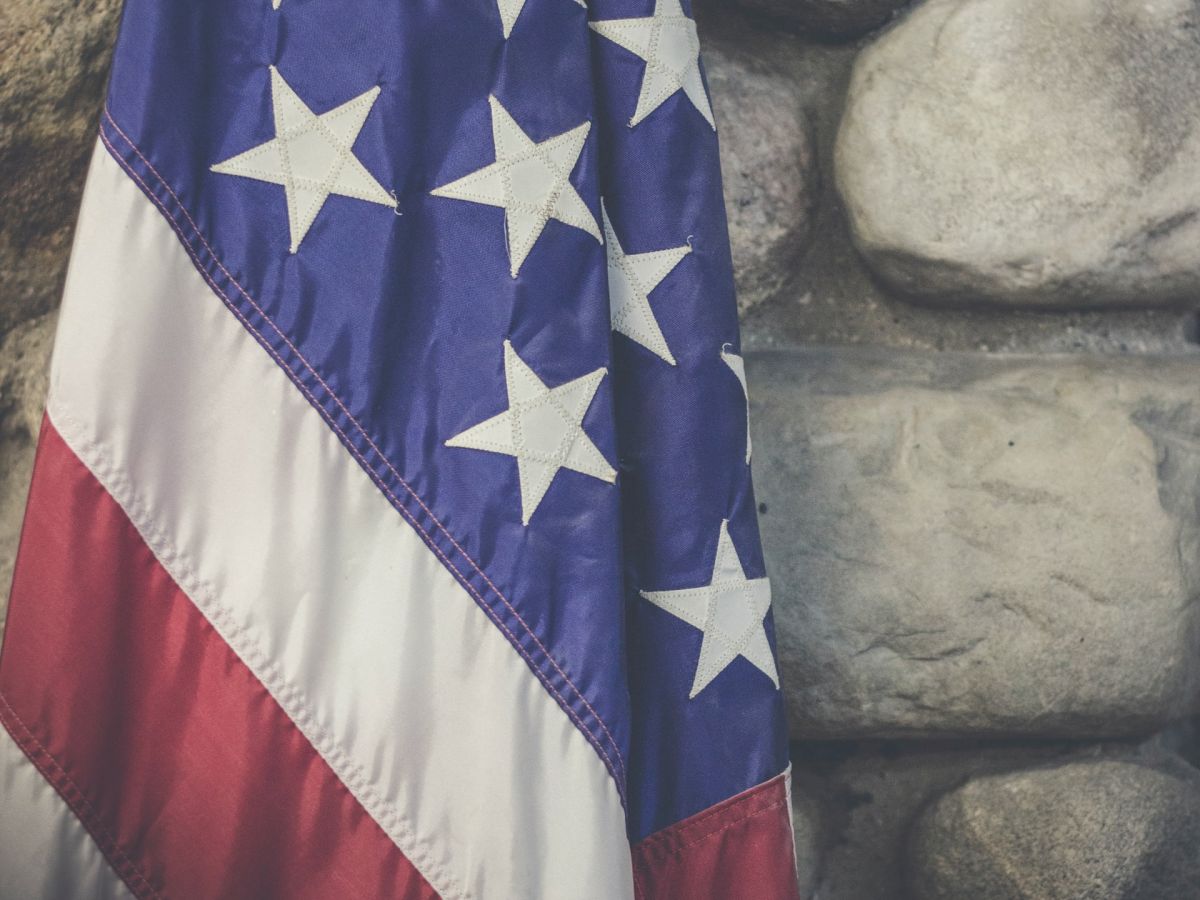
<point x="392" y="531"/>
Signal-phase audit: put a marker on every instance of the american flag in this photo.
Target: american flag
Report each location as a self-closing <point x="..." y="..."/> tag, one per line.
<point x="392" y="531"/>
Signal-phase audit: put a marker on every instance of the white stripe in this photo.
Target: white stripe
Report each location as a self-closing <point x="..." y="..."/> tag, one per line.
<point x="400" y="681"/>
<point x="45" y="852"/>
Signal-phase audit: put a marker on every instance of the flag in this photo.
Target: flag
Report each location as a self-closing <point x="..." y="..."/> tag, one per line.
<point x="391" y="532"/>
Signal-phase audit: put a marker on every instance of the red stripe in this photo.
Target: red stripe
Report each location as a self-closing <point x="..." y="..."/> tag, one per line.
<point x="741" y="848"/>
<point x="178" y="761"/>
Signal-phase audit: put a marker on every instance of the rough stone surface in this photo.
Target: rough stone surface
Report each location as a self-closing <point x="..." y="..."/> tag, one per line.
<point x="24" y="358"/>
<point x="829" y="295"/>
<point x="1090" y="830"/>
<point x="768" y="166"/>
<point x="1030" y="153"/>
<point x="806" y="829"/>
<point x="53" y="62"/>
<point x="861" y="798"/>
<point x="963" y="545"/>
<point x="830" y="18"/>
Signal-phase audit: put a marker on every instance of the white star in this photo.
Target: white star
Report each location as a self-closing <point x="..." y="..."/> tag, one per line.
<point x="542" y="428"/>
<point x="730" y="610"/>
<point x="310" y="156"/>
<point x="510" y="9"/>
<point x="275" y="4"/>
<point x="631" y="278"/>
<point x="529" y="181"/>
<point x="667" y="41"/>
<point x="737" y="365"/>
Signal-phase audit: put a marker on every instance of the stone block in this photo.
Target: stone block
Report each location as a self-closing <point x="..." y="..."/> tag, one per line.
<point x="768" y="163"/>
<point x="856" y="803"/>
<point x="1018" y="152"/>
<point x="829" y="18"/>
<point x="53" y="63"/>
<point x="1103" y="829"/>
<point x="965" y="545"/>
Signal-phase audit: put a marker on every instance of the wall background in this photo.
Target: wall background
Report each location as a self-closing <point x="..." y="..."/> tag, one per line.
<point x="967" y="235"/>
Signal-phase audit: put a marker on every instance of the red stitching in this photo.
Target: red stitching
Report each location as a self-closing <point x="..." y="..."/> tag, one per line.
<point x="666" y="835"/>
<point x="374" y="477"/>
<point x="673" y="854"/>
<point x="674" y="832"/>
<point x="361" y="431"/>
<point x="79" y="804"/>
<point x="704" y="837"/>
<point x="291" y="701"/>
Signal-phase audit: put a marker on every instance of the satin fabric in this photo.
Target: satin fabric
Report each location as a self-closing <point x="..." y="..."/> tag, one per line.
<point x="362" y="636"/>
<point x="740" y="848"/>
<point x="404" y="317"/>
<point x="45" y="852"/>
<point x="172" y="754"/>
<point x="497" y="697"/>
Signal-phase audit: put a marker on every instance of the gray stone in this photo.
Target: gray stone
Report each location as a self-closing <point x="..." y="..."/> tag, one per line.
<point x="24" y="359"/>
<point x="859" y="801"/>
<point x="830" y="18"/>
<point x="806" y="829"/>
<point x="970" y="545"/>
<point x="53" y="59"/>
<point x="1028" y="153"/>
<point x="1091" y="830"/>
<point x="768" y="166"/>
<point x="829" y="295"/>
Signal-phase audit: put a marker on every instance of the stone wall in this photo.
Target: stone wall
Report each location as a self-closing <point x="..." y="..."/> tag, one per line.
<point x="967" y="235"/>
<point x="973" y="371"/>
<point x="53" y="64"/>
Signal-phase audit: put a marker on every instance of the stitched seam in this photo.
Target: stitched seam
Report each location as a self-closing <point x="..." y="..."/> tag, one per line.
<point x="650" y="56"/>
<point x="658" y="846"/>
<point x="301" y="219"/>
<point x="674" y="853"/>
<point x="666" y="836"/>
<point x="78" y="803"/>
<point x="572" y="418"/>
<point x="743" y="588"/>
<point x="746" y="594"/>
<point x="290" y="698"/>
<point x="738" y="821"/>
<point x="662" y="599"/>
<point x="358" y="427"/>
<point x="314" y="123"/>
<point x="630" y="315"/>
<point x="506" y="159"/>
<point x="61" y="414"/>
<point x="593" y="739"/>
<point x="658" y="66"/>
